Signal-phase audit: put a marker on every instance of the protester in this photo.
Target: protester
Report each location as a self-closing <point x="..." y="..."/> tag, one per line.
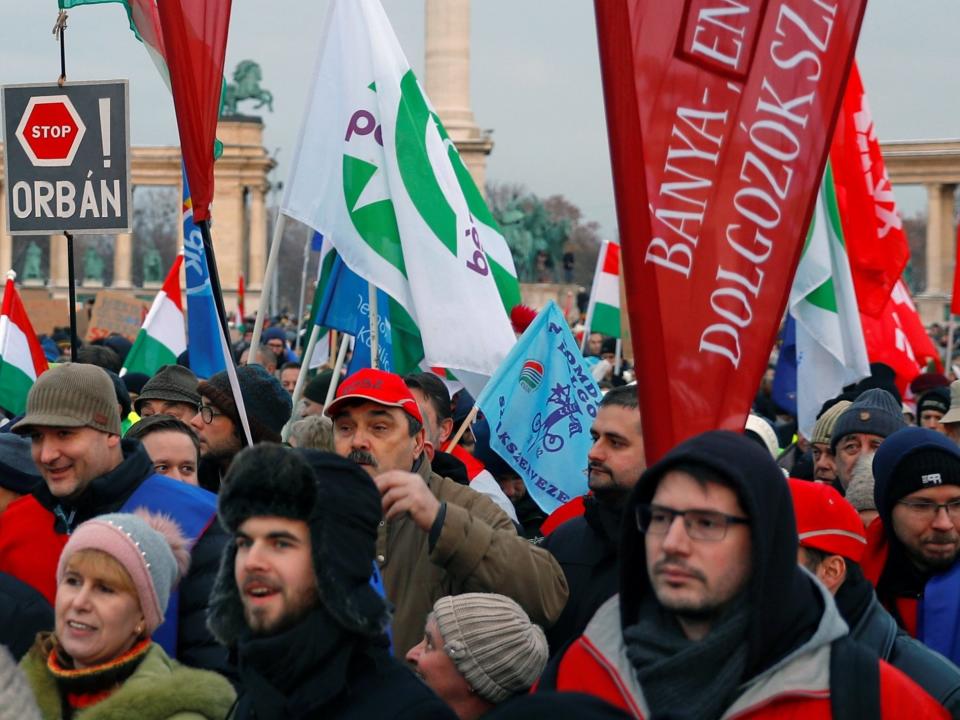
<point x="289" y="372"/>
<point x="478" y="650"/>
<point x="950" y="422"/>
<point x="263" y="357"/>
<point x="439" y="538"/>
<point x="89" y="471"/>
<point x="101" y="356"/>
<point x="114" y="580"/>
<point x="274" y="339"/>
<point x="530" y="517"/>
<point x="314" y="432"/>
<point x="23" y="613"/>
<point x="832" y="542"/>
<point x="873" y="416"/>
<point x="315" y="393"/>
<point x="134" y="382"/>
<point x="293" y="598"/>
<point x="761" y="431"/>
<point x="714" y="616"/>
<point x="932" y="406"/>
<point x="16" y="697"/>
<point x="171" y="391"/>
<point x="218" y="422"/>
<point x="18" y="475"/>
<point x="914" y="545"/>
<point x="587" y="547"/>
<point x="172" y="446"/>
<point x="824" y="461"/>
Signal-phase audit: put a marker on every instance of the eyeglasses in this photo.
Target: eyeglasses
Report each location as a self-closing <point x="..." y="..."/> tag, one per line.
<point x="708" y="525"/>
<point x="206" y="412"/>
<point x="928" y="510"/>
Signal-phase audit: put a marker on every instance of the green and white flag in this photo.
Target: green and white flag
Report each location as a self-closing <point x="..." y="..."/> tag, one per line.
<point x="603" y="311"/>
<point x="376" y="173"/>
<point x="163" y="335"/>
<point x="831" y="351"/>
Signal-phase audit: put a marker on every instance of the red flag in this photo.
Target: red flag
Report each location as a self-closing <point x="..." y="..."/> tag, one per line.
<point x="240" y="301"/>
<point x="872" y="229"/>
<point x="719" y="118"/>
<point x="195" y="39"/>
<point x="923" y="348"/>
<point x="955" y="299"/>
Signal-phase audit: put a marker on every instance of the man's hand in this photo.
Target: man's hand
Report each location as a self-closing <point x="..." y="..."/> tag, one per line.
<point x="406" y="492"/>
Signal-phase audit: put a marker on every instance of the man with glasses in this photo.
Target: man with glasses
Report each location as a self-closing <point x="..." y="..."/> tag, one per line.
<point x="714" y="616"/>
<point x="914" y="545"/>
<point x="218" y="425"/>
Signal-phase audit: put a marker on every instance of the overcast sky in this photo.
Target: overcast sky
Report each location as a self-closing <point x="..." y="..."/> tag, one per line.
<point x="535" y="77"/>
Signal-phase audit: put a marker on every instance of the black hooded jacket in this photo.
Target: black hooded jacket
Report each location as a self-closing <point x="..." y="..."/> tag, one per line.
<point x="785" y="604"/>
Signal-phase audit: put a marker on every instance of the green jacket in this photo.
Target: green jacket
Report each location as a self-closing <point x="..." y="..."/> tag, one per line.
<point x="159" y="689"/>
<point x="478" y="550"/>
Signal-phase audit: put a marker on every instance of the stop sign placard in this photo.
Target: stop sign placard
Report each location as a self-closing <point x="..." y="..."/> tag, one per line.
<point x="50" y="131"/>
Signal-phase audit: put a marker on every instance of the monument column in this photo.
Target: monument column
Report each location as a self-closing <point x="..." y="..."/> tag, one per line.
<point x="257" y="248"/>
<point x="447" y="81"/>
<point x="940" y="245"/>
<point x="59" y="277"/>
<point x="6" y="241"/>
<point x="122" y="260"/>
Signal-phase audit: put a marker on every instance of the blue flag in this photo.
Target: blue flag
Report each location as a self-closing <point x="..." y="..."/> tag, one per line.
<point x="784" y="390"/>
<point x="345" y="306"/>
<point x="540" y="405"/>
<point x="203" y="327"/>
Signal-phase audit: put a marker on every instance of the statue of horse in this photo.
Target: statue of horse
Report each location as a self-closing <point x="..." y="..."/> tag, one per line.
<point x="246" y="86"/>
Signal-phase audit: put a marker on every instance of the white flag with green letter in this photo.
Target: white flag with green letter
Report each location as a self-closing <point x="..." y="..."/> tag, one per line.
<point x="831" y="351"/>
<point x="375" y="172"/>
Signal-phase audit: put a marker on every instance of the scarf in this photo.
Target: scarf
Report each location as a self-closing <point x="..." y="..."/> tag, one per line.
<point x="684" y="678"/>
<point x="81" y="688"/>
<point x="293" y="673"/>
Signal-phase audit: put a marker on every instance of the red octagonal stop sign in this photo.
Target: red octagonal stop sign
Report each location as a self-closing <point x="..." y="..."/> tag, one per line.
<point x="50" y="131"/>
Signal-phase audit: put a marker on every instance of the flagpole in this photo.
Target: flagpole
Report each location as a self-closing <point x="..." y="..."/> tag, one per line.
<point x="268" y="276"/>
<point x="303" y="289"/>
<point x="601" y="256"/>
<point x="467" y="422"/>
<point x="949" y="353"/>
<point x="619" y="361"/>
<point x="374" y="324"/>
<point x="72" y="295"/>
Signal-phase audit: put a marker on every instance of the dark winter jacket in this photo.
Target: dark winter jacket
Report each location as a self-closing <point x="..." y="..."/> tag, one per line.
<point x="34" y="529"/>
<point x="586" y="548"/>
<point x="23" y="613"/>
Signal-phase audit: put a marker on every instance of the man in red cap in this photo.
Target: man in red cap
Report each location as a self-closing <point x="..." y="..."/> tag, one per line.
<point x="438" y="537"/>
<point x="832" y="543"/>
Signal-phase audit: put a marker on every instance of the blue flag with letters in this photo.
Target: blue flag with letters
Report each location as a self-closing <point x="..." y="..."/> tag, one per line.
<point x="203" y="327"/>
<point x="346" y="307"/>
<point x="540" y="405"/>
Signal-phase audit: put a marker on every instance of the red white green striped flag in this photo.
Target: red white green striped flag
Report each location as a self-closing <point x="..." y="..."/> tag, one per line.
<point x="603" y="312"/>
<point x="21" y="357"/>
<point x="163" y="335"/>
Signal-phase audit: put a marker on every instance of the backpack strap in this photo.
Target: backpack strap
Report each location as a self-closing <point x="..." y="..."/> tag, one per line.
<point x="854" y="681"/>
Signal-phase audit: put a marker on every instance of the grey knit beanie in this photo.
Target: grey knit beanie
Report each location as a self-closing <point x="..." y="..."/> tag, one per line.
<point x="72" y="395"/>
<point x="492" y="642"/>
<point x="172" y="383"/>
<point x="874" y="412"/>
<point x="151" y="548"/>
<point x="860" y="490"/>
<point x="823" y="428"/>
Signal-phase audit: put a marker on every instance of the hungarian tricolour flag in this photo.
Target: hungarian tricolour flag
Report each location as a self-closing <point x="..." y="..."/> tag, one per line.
<point x="162" y="336"/>
<point x="376" y="173"/>
<point x="603" y="312"/>
<point x="21" y="357"/>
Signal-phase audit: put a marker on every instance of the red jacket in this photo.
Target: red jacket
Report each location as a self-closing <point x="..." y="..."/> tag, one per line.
<point x="597" y="664"/>
<point x="29" y="546"/>
<point x="873" y="562"/>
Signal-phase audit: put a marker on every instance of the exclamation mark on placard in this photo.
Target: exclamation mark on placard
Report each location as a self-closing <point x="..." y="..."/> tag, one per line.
<point x="105" y="130"/>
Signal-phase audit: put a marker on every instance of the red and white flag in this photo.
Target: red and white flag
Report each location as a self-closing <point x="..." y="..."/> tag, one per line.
<point x="719" y="119"/>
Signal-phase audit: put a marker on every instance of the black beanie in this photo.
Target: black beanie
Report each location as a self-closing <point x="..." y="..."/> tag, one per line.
<point x="936" y="399"/>
<point x="316" y="389"/>
<point x="268" y="405"/>
<point x="342" y="507"/>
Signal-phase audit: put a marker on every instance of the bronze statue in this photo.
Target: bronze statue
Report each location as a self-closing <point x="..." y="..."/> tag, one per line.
<point x="92" y="266"/>
<point x="152" y="266"/>
<point x="31" y="262"/>
<point x="246" y="86"/>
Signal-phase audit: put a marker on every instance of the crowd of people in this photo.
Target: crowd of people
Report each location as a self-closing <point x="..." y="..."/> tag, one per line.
<point x="354" y="561"/>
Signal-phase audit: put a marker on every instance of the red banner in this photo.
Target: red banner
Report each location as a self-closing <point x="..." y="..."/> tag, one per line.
<point x="719" y="117"/>
<point x="195" y="38"/>
<point x="955" y="299"/>
<point x="872" y="229"/>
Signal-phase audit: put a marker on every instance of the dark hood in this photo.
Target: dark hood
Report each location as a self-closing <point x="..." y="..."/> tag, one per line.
<point x="786" y="606"/>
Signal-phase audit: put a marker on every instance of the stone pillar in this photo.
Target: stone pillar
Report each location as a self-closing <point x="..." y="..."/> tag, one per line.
<point x="6" y="241"/>
<point x="257" y="248"/>
<point x="447" y="81"/>
<point x="940" y="242"/>
<point x="59" y="275"/>
<point x="123" y="260"/>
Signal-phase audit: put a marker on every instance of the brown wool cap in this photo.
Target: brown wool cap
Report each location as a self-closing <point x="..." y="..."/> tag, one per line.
<point x="72" y="395"/>
<point x="823" y="429"/>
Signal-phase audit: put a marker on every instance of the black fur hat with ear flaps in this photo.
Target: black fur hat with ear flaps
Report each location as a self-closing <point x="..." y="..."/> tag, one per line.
<point x="340" y="504"/>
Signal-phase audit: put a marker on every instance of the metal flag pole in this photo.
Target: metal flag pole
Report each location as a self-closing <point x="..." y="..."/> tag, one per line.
<point x="268" y="277"/>
<point x="72" y="295"/>
<point x="374" y="324"/>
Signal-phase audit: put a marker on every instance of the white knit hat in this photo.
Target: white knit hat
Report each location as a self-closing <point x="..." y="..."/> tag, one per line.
<point x="492" y="642"/>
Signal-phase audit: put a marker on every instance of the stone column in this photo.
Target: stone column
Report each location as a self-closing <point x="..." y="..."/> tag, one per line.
<point x="6" y="241"/>
<point x="59" y="276"/>
<point x="447" y="81"/>
<point x="940" y="242"/>
<point x="257" y="248"/>
<point x="122" y="261"/>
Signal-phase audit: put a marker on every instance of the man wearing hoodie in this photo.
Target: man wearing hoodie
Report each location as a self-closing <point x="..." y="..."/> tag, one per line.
<point x="714" y="617"/>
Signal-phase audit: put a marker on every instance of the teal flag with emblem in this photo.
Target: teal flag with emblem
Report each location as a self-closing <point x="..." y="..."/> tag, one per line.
<point x="377" y="174"/>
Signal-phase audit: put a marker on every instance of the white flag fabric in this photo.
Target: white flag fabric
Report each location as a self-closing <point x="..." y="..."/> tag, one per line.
<point x="831" y="351"/>
<point x="375" y="173"/>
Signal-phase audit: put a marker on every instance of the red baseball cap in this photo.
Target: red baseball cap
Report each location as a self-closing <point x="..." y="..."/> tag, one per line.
<point x="379" y="386"/>
<point x="826" y="521"/>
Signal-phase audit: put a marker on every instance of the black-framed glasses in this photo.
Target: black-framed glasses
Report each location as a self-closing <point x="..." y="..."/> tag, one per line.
<point x="206" y="412"/>
<point x="928" y="510"/>
<point x="710" y="525"/>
